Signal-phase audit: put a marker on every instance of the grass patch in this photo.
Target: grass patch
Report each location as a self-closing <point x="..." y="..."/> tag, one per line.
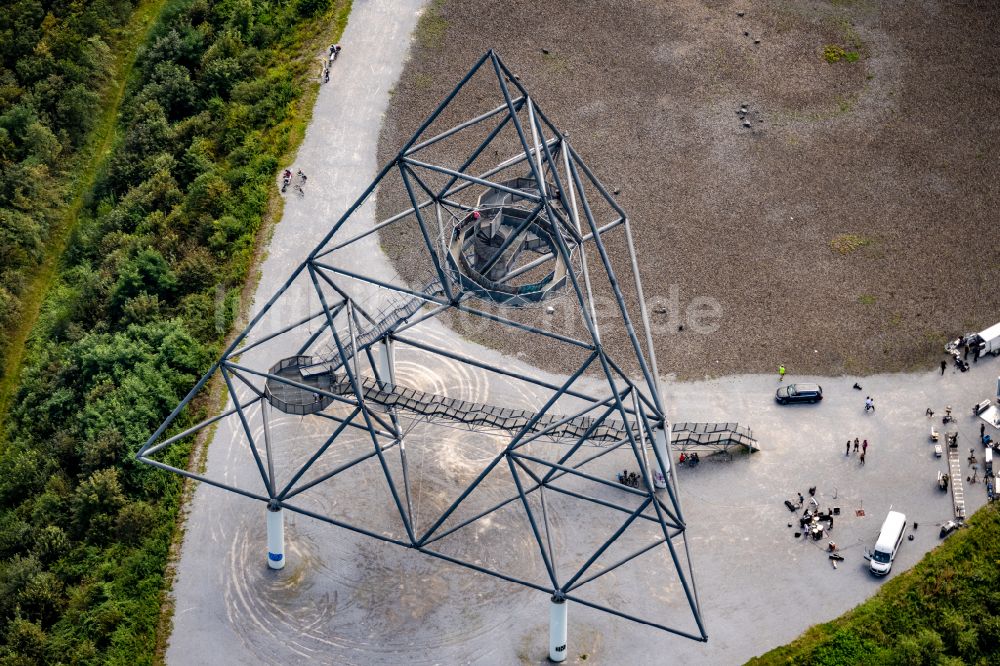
<point x="423" y="81"/>
<point x="850" y="35"/>
<point x="833" y="53"/>
<point x="866" y="299"/>
<point x="556" y="64"/>
<point x="853" y="366"/>
<point x="936" y="340"/>
<point x="845" y="244"/>
<point x="432" y="26"/>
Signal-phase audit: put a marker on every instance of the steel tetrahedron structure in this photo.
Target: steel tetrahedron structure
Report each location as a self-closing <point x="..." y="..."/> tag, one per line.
<point x="349" y="366"/>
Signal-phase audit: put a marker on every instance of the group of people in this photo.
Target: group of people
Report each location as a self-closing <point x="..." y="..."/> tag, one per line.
<point x="286" y="179"/>
<point x="863" y="448"/>
<point x="627" y="478"/>
<point x="812" y="521"/>
<point x="333" y="53"/>
<point x="691" y="459"/>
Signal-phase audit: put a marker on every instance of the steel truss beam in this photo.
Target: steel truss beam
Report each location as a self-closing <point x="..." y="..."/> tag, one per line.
<point x="363" y="342"/>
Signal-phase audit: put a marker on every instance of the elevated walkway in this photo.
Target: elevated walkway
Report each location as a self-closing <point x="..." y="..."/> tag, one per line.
<point x="310" y="375"/>
<point x="707" y="437"/>
<point x="435" y="406"/>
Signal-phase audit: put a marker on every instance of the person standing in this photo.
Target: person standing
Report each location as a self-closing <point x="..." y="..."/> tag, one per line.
<point x="856" y="444"/>
<point x="982" y="430"/>
<point x="869" y="404"/>
<point x="864" y="447"/>
<point x="781" y="373"/>
<point x="848" y="451"/>
<point x="862" y="457"/>
<point x="944" y="366"/>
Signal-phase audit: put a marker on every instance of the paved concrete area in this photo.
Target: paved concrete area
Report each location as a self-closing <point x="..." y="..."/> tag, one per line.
<point x="344" y="599"/>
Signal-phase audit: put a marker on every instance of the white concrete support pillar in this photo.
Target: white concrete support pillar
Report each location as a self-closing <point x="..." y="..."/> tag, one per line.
<point x="386" y="366"/>
<point x="275" y="536"/>
<point x="660" y="437"/>
<point x="558" y="629"/>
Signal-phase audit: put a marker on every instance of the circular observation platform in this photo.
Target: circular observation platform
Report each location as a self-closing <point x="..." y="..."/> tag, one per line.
<point x="506" y="252"/>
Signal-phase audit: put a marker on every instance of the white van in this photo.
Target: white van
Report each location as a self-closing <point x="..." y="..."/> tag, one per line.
<point x="889" y="538"/>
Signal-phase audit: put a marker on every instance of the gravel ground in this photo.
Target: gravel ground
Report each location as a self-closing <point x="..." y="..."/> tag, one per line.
<point x="346" y="599"/>
<point x="894" y="152"/>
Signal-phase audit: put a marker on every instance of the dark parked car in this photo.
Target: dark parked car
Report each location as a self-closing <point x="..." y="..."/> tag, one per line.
<point x="799" y="393"/>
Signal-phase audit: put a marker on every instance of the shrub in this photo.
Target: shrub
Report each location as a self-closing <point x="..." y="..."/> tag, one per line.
<point x="833" y="53"/>
<point x="848" y="243"/>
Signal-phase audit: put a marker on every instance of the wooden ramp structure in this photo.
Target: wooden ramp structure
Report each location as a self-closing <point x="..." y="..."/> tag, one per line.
<point x="957" y="488"/>
<point x="712" y="437"/>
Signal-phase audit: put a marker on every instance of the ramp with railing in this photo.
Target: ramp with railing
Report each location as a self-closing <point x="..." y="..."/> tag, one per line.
<point x="295" y="396"/>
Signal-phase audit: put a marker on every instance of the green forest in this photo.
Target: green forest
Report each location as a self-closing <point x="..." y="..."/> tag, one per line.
<point x="57" y="74"/>
<point x="144" y="294"/>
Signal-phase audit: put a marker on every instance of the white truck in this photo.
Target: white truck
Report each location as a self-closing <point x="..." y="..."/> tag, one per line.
<point x="987" y="341"/>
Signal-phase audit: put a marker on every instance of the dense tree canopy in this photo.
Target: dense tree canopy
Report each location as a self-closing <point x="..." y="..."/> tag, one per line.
<point x="54" y="63"/>
<point x="143" y="297"/>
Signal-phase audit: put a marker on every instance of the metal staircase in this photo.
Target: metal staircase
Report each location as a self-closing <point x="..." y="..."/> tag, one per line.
<point x="387" y="319"/>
